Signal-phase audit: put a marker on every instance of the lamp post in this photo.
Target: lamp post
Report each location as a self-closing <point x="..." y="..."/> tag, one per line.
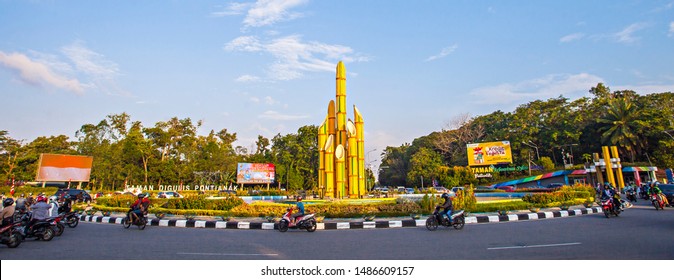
<point x="531" y="144"/>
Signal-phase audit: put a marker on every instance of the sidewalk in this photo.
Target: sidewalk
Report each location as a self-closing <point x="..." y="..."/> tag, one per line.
<point x="330" y="224"/>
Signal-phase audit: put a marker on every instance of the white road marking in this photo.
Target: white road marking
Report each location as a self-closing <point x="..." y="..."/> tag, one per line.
<point x="534" y="246"/>
<point x="226" y="254"/>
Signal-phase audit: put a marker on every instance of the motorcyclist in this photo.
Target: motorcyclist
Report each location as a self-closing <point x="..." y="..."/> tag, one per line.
<point x="40" y="212"/>
<point x="66" y="204"/>
<point x="655" y="190"/>
<point x="138" y="208"/>
<point x="300" y="210"/>
<point x="610" y="193"/>
<point x="54" y="206"/>
<point x="7" y="214"/>
<point x="21" y="203"/>
<point x="446" y="206"/>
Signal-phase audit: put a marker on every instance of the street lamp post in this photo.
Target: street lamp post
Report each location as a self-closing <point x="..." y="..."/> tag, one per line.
<point x="531" y="144"/>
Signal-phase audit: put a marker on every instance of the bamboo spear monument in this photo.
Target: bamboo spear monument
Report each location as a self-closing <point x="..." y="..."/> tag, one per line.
<point x="341" y="145"/>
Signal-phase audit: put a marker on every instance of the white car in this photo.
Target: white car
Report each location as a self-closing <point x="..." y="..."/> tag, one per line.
<point x="169" y="195"/>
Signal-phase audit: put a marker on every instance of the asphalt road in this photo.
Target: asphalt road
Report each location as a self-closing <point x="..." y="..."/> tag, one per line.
<point x="640" y="233"/>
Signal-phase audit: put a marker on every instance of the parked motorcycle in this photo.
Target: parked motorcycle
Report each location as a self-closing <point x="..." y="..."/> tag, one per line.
<point x="657" y="202"/>
<point x="307" y="222"/>
<point x="141" y="221"/>
<point x="608" y="208"/>
<point x="9" y="235"/>
<point x="437" y="218"/>
<point x="631" y="195"/>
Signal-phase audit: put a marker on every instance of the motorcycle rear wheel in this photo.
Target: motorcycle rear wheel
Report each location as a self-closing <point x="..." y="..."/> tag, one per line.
<point x="72" y="222"/>
<point x="283" y="226"/>
<point x="431" y="224"/>
<point x="606" y="213"/>
<point x="311" y="226"/>
<point x="48" y="234"/>
<point x="459" y="222"/>
<point x="142" y="223"/>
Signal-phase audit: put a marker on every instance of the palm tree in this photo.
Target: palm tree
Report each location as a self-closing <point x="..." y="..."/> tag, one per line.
<point x="620" y="124"/>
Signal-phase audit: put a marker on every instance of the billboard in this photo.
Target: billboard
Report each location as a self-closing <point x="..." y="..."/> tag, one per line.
<point x="489" y="153"/>
<point x="64" y="168"/>
<point x="255" y="173"/>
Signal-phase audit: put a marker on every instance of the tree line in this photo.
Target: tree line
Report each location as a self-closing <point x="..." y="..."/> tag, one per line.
<point x="171" y="152"/>
<point x="547" y="133"/>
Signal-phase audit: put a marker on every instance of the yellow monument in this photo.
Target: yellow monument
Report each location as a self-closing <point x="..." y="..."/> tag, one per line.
<point x="341" y="142"/>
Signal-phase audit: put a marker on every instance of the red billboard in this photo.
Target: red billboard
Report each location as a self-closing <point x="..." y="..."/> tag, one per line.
<point x="64" y="168"/>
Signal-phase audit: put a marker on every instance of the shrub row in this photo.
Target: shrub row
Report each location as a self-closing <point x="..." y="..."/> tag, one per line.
<point x="187" y="203"/>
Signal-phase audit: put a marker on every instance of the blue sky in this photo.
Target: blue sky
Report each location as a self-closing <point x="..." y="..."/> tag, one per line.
<point x="268" y="67"/>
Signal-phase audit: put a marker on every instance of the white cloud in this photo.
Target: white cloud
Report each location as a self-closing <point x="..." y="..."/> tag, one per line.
<point x="293" y="57"/>
<point x="247" y="78"/>
<point x="571" y="37"/>
<point x="671" y="29"/>
<point x="273" y="115"/>
<point x="37" y="73"/>
<point x="269" y="100"/>
<point x="232" y="9"/>
<point x="269" y="12"/>
<point x="445" y="52"/>
<point x="645" y="89"/>
<point x="255" y="99"/>
<point x="550" y="86"/>
<point x="627" y="35"/>
<point x="102" y="72"/>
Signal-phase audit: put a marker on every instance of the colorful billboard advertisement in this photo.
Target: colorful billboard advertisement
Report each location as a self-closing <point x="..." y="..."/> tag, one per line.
<point x="64" y="168"/>
<point x="489" y="153"/>
<point x="255" y="173"/>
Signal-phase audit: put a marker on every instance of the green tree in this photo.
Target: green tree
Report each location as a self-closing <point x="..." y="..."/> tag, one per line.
<point x="424" y="163"/>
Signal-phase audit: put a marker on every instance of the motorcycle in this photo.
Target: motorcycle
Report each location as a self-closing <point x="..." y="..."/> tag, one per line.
<point x="608" y="208"/>
<point x="631" y="195"/>
<point x="56" y="225"/>
<point x="141" y="221"/>
<point x="307" y="222"/>
<point x="657" y="202"/>
<point x="437" y="218"/>
<point x="40" y="230"/>
<point x="71" y="219"/>
<point x="9" y="235"/>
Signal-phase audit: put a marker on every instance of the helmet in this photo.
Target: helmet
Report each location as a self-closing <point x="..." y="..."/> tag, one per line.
<point x="141" y="195"/>
<point x="445" y="195"/>
<point x="41" y="198"/>
<point x="299" y="198"/>
<point x="53" y="198"/>
<point x="67" y="196"/>
<point x="7" y="202"/>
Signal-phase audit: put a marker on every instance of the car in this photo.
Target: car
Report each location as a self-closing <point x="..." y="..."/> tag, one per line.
<point x="506" y="188"/>
<point x="456" y="189"/>
<point x="400" y="189"/>
<point x="75" y="194"/>
<point x="380" y="189"/>
<point x="668" y="191"/>
<point x="441" y="189"/>
<point x="409" y="190"/>
<point x="169" y="195"/>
